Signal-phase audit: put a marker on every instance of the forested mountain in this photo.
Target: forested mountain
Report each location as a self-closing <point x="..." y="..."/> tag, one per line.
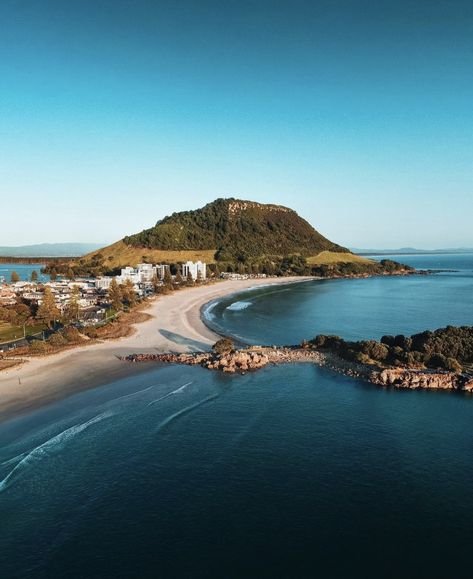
<point x="234" y="236"/>
<point x="236" y="231"/>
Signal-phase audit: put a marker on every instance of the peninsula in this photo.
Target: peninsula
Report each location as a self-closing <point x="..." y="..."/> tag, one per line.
<point x="433" y="360"/>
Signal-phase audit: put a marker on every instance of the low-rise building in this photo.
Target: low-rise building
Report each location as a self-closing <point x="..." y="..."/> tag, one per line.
<point x="7" y="297"/>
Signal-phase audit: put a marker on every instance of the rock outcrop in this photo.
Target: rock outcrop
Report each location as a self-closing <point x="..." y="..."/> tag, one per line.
<point x="237" y="362"/>
<point x="403" y="378"/>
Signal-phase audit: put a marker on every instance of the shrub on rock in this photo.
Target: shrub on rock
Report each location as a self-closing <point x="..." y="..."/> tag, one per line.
<point x="223" y="346"/>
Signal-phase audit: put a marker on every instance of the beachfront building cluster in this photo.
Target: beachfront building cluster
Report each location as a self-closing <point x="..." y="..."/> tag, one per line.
<point x="92" y="303"/>
<point x="93" y="293"/>
<point x="143" y="273"/>
<point x="198" y="270"/>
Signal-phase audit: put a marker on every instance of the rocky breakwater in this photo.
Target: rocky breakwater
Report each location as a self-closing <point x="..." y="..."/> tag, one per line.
<point x="240" y="361"/>
<point x="404" y="378"/>
<point x="236" y="361"/>
<point x="232" y="362"/>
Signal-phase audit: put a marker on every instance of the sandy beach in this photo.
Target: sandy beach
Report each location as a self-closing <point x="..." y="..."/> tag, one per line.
<point x="175" y="326"/>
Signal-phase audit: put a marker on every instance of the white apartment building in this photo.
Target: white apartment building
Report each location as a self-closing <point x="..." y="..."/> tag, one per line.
<point x="145" y="271"/>
<point x="103" y="282"/>
<point x="194" y="269"/>
<point x="128" y="273"/>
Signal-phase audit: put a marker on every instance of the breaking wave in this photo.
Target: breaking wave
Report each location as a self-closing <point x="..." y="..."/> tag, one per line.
<point x="177" y="391"/>
<point x="207" y="310"/>
<point x="184" y="411"/>
<point x="237" y="306"/>
<point x="50" y="447"/>
<point x="131" y="394"/>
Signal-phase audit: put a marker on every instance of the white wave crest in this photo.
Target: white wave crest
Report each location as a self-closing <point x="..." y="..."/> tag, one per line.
<point x="131" y="394"/>
<point x="185" y="410"/>
<point x="177" y="391"/>
<point x="237" y="306"/>
<point x="50" y="447"/>
<point x="207" y="311"/>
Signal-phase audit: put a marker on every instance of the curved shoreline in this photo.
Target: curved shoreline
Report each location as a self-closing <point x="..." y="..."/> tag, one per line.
<point x="176" y="326"/>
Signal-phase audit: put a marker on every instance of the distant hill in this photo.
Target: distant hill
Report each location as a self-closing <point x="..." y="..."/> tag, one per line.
<point x="411" y="251"/>
<point x="49" y="250"/>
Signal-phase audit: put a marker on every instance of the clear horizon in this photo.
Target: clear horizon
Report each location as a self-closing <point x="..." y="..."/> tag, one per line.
<point x="355" y="114"/>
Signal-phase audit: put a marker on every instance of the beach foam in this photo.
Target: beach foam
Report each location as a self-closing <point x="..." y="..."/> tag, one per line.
<point x="237" y="306"/>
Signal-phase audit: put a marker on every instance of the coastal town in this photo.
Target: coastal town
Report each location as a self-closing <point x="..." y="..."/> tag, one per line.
<point x="84" y="302"/>
<point x="33" y="310"/>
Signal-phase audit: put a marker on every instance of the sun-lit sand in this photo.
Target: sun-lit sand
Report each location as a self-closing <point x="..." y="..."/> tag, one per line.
<point x="175" y="326"/>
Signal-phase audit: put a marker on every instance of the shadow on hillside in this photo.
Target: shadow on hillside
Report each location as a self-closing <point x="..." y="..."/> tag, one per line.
<point x="183" y="341"/>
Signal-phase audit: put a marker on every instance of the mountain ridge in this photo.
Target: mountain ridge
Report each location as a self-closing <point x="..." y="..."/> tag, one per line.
<point x="66" y="249"/>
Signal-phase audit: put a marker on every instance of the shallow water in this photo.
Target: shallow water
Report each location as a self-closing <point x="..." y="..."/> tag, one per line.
<point x="289" y="472"/>
<point x="23" y="270"/>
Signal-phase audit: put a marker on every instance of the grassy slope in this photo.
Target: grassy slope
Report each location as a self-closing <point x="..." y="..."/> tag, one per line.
<point x="122" y="255"/>
<point x="327" y="257"/>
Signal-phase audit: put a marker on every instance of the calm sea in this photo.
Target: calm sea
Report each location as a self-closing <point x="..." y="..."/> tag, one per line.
<point x="289" y="472"/>
<point x="24" y="271"/>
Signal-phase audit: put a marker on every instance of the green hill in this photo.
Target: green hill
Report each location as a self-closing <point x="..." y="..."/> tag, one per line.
<point x="236" y="230"/>
<point x="230" y="235"/>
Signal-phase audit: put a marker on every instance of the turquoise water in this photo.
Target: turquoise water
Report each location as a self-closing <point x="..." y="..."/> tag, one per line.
<point x="353" y="308"/>
<point x="23" y="270"/>
<point x="289" y="472"/>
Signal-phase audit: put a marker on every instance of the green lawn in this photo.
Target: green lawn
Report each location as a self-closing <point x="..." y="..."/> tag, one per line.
<point x="9" y="332"/>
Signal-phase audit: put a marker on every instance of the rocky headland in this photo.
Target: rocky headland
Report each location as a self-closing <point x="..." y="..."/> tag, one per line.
<point x="254" y="358"/>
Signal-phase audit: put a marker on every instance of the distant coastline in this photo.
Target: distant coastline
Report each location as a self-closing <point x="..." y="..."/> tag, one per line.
<point x="31" y="260"/>
<point x="411" y="251"/>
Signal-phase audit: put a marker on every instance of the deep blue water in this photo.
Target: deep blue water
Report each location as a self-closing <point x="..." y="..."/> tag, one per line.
<point x="23" y="270"/>
<point x="289" y="472"/>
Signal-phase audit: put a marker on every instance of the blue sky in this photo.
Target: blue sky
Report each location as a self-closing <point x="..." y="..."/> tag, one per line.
<point x="357" y="114"/>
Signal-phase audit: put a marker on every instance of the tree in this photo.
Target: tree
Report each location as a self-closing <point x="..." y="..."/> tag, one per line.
<point x="53" y="274"/>
<point x="190" y="279"/>
<point x="34" y="275"/>
<point x="14" y="277"/>
<point x="72" y="309"/>
<point x="70" y="273"/>
<point x="156" y="283"/>
<point x="48" y="312"/>
<point x="115" y="295"/>
<point x="167" y="278"/>
<point x="129" y="294"/>
<point x="223" y="346"/>
<point x="178" y="279"/>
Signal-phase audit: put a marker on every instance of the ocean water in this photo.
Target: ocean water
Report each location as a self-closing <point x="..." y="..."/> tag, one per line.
<point x="24" y="271"/>
<point x="289" y="472"/>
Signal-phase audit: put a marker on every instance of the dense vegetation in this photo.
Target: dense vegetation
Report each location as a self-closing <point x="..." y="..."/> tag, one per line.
<point x="276" y="266"/>
<point x="238" y="230"/>
<point x="232" y="236"/>
<point x="385" y="266"/>
<point x="449" y="348"/>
